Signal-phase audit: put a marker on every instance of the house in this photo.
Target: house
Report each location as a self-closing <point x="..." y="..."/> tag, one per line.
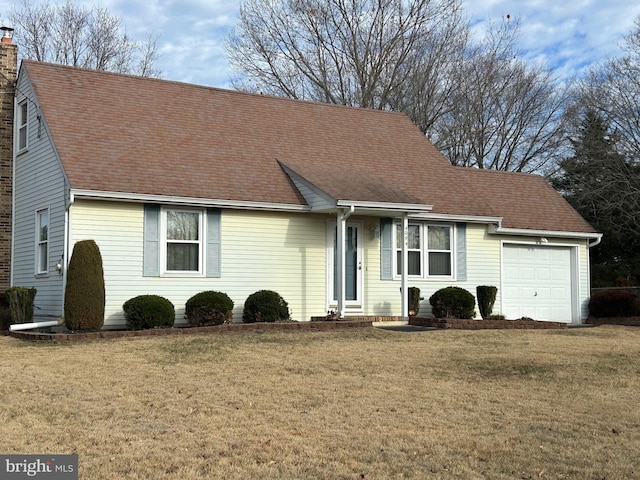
<point x="188" y="188"/>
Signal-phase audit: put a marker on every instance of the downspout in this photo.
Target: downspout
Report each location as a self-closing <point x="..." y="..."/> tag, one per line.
<point x="13" y="191"/>
<point x="595" y="243"/>
<point x="27" y="326"/>
<point x="405" y="266"/>
<point x="342" y="262"/>
<point x="65" y="247"/>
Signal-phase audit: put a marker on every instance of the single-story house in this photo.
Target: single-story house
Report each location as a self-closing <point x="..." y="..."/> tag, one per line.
<point x="188" y="188"/>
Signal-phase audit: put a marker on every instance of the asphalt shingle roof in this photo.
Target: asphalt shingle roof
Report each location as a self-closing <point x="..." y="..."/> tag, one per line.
<point x="119" y="133"/>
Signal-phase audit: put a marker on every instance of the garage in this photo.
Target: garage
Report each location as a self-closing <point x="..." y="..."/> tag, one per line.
<point x="536" y="282"/>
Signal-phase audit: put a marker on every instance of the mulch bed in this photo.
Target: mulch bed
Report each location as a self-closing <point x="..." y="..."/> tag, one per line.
<point x="454" y="323"/>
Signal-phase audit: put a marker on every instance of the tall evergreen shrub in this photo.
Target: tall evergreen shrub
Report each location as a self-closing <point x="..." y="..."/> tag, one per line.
<point x="486" y="299"/>
<point x="84" y="295"/>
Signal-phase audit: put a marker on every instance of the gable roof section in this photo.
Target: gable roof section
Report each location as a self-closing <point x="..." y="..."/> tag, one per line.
<point x="148" y="137"/>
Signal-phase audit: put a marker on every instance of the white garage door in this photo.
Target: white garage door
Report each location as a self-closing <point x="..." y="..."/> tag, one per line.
<point x="537" y="282"/>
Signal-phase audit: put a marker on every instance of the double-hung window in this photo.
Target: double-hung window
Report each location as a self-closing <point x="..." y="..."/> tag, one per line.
<point x="429" y="249"/>
<point x="22" y="114"/>
<point x="182" y="241"/>
<point x="42" y="241"/>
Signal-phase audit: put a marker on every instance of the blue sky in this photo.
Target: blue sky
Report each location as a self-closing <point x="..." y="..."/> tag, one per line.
<point x="567" y="35"/>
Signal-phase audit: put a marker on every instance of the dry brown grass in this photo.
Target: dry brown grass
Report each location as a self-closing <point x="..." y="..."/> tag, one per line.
<point x="357" y="403"/>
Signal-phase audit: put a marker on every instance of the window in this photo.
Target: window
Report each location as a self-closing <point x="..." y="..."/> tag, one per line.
<point x="42" y="241"/>
<point x="430" y="258"/>
<point x="414" y="249"/>
<point x="182" y="242"/>
<point x="22" y="125"/>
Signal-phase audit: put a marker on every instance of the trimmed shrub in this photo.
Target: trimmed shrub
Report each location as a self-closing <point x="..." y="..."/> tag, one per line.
<point x="149" y="311"/>
<point x="84" y="294"/>
<point x="265" y="306"/>
<point x="486" y="298"/>
<point x="614" y="303"/>
<point x="5" y="313"/>
<point x="452" y="302"/>
<point x="414" y="300"/>
<point x="209" y="308"/>
<point x="20" y="303"/>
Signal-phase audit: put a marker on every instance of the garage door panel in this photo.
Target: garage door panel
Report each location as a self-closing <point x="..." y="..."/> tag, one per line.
<point x="537" y="282"/>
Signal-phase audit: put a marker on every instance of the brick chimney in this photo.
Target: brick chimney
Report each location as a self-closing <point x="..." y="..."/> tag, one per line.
<point x="8" y="75"/>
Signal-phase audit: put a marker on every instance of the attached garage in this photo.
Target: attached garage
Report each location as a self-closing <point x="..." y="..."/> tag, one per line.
<point x="537" y="282"/>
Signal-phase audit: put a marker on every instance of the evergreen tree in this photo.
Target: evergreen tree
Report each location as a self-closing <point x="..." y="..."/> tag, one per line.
<point x="604" y="186"/>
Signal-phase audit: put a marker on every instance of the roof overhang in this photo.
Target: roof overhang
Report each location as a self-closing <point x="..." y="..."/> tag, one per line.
<point x="184" y="201"/>
<point x="495" y="229"/>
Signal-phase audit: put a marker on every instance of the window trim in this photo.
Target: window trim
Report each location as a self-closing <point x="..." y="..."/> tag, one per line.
<point x="164" y="241"/>
<point x="39" y="243"/>
<point x="22" y="125"/>
<point x="424" y="251"/>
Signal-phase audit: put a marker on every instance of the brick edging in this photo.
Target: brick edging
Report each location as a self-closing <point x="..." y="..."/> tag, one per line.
<point x="229" y="328"/>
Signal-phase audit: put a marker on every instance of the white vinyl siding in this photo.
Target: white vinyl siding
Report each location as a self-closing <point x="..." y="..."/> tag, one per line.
<point x="259" y="250"/>
<point x="38" y="182"/>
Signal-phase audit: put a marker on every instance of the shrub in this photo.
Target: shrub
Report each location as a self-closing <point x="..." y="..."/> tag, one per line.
<point x="486" y="298"/>
<point x="84" y="294"/>
<point x="148" y="311"/>
<point x="265" y="306"/>
<point x="5" y="313"/>
<point x="614" y="303"/>
<point x="414" y="300"/>
<point x="20" y="304"/>
<point x="209" y="308"/>
<point x="452" y="302"/>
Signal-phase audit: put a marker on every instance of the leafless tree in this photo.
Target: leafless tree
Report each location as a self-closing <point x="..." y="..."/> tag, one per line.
<point x="506" y="112"/>
<point x="477" y="101"/>
<point x="613" y="90"/>
<point x="71" y="34"/>
<point x="366" y="53"/>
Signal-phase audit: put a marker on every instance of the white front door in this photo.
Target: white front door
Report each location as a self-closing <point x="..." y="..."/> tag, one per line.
<point x="353" y="265"/>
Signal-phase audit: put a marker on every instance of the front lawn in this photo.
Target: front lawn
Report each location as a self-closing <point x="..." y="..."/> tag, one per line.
<point x="352" y="403"/>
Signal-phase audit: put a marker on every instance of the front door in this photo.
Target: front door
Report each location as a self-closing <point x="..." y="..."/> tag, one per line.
<point x="353" y="267"/>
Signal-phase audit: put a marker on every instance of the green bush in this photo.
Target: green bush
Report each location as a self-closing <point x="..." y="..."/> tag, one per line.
<point x="20" y="304"/>
<point x="84" y="294"/>
<point x="148" y="311"/>
<point x="209" y="308"/>
<point x="452" y="302"/>
<point x="486" y="298"/>
<point x="614" y="303"/>
<point x="414" y="300"/>
<point x="265" y="306"/>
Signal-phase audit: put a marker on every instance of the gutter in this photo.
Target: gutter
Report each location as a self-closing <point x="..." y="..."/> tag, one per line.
<point x="544" y="233"/>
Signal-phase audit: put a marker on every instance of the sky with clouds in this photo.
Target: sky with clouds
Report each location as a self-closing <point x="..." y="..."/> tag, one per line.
<point x="567" y="35"/>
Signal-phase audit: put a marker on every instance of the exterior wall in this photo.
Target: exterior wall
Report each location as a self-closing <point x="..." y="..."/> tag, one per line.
<point x="8" y="71"/>
<point x="260" y="250"/>
<point x="484" y="260"/>
<point x="382" y="297"/>
<point x="39" y="183"/>
<point x="278" y="251"/>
